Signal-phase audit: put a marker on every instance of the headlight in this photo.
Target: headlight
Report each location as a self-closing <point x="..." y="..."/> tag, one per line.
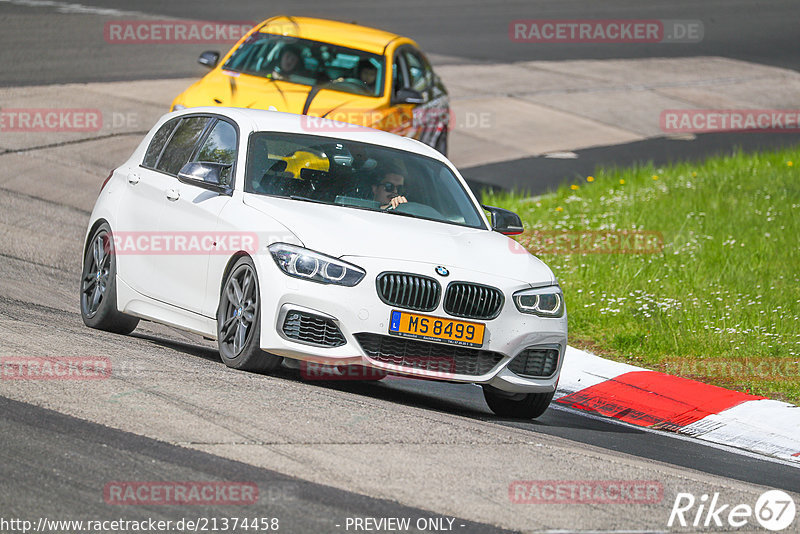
<point x="309" y="265"/>
<point x="543" y="301"/>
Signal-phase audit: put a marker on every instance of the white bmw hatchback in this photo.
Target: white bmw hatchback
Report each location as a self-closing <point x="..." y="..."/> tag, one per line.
<point x="293" y="239"/>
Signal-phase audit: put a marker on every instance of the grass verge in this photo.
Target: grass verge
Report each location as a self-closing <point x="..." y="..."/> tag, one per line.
<point x="691" y="269"/>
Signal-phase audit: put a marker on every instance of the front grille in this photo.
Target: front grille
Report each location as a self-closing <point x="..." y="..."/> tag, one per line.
<point x="413" y="354"/>
<point x="473" y="301"/>
<point x="412" y="291"/>
<point x="536" y="362"/>
<point x="312" y="329"/>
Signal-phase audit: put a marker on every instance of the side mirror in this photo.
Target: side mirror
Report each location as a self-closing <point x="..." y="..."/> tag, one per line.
<point x="209" y="59"/>
<point x="504" y="221"/>
<point x="205" y="174"/>
<point x="409" y="96"/>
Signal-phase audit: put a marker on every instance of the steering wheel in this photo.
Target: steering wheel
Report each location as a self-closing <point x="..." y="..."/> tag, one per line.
<point x="419" y="210"/>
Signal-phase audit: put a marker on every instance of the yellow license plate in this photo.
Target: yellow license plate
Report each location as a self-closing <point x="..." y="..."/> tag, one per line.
<point x="436" y="329"/>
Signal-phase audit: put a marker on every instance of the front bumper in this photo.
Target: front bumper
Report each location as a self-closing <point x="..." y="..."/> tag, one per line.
<point x="358" y="311"/>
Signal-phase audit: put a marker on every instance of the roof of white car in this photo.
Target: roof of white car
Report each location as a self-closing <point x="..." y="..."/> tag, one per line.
<point x="259" y="120"/>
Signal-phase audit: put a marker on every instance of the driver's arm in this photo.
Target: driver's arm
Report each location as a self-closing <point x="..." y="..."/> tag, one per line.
<point x="396" y="201"/>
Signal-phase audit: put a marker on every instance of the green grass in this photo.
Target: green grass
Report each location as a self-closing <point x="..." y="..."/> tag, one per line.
<point x="720" y="302"/>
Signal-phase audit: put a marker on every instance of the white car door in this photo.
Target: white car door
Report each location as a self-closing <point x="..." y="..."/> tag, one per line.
<point x="191" y="218"/>
<point x="140" y="209"/>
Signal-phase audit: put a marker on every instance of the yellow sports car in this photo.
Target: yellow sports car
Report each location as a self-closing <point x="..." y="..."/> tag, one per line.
<point x="323" y="68"/>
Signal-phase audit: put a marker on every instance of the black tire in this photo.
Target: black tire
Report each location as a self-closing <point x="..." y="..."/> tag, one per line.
<point x="519" y="405"/>
<point x="239" y="321"/>
<point x="441" y="143"/>
<point x="98" y="289"/>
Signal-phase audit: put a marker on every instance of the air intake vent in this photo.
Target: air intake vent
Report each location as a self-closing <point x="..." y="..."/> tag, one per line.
<point x="536" y="362"/>
<point x="312" y="329"/>
<point x="411" y="291"/>
<point x="413" y="354"/>
<point x="473" y="301"/>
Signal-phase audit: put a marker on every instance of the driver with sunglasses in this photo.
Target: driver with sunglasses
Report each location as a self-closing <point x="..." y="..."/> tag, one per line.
<point x="389" y="190"/>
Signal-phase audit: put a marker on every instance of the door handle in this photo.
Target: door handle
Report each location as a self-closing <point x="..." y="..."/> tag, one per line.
<point x="133" y="178"/>
<point x="173" y="195"/>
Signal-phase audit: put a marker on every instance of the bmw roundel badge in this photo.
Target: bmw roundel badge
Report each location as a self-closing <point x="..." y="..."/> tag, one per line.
<point x="442" y="271"/>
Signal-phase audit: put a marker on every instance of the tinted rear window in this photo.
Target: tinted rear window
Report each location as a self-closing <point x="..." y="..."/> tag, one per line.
<point x="157" y="144"/>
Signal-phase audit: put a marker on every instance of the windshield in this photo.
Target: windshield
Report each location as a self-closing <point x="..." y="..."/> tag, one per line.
<point x="309" y="63"/>
<point x="357" y="175"/>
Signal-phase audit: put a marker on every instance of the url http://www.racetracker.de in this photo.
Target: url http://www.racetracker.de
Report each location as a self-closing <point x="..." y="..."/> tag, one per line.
<point x="142" y="526"/>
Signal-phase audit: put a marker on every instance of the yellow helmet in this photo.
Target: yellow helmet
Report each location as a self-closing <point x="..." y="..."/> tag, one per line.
<point x="303" y="159"/>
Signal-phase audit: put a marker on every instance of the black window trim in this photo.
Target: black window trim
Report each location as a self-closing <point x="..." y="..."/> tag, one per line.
<point x="207" y="133"/>
<point x="203" y="138"/>
<point x="215" y="118"/>
<point x="178" y="121"/>
<point x="407" y="48"/>
<point x="171" y="135"/>
<point x="399" y="58"/>
<point x="402" y="72"/>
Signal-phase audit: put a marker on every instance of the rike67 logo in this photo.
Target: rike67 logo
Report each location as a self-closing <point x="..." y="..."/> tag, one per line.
<point x="774" y="510"/>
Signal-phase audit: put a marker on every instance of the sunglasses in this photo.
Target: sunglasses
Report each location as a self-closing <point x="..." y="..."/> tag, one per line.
<point x="389" y="187"/>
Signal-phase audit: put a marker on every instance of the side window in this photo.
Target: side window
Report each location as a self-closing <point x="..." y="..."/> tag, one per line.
<point x="417" y="71"/>
<point x="157" y="144"/>
<point x="398" y="81"/>
<point x="180" y="147"/>
<point x="220" y="147"/>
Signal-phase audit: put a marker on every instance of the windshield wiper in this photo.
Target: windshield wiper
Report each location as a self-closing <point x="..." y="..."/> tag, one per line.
<point x="404" y="214"/>
<point x="306" y="199"/>
<point x="315" y="201"/>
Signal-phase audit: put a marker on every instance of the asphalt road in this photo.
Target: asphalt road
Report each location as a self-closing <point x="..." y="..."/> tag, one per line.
<point x="541" y="174"/>
<point x="41" y="45"/>
<point x="435" y="448"/>
<point x="62" y="42"/>
<point x="73" y="458"/>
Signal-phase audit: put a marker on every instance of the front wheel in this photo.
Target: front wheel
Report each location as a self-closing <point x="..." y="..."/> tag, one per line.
<point x="517" y="405"/>
<point x="239" y="321"/>
<point x="99" y="286"/>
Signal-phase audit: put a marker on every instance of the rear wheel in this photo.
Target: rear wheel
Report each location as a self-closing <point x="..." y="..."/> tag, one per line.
<point x="239" y="321"/>
<point x="517" y="405"/>
<point x="99" y="286"/>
